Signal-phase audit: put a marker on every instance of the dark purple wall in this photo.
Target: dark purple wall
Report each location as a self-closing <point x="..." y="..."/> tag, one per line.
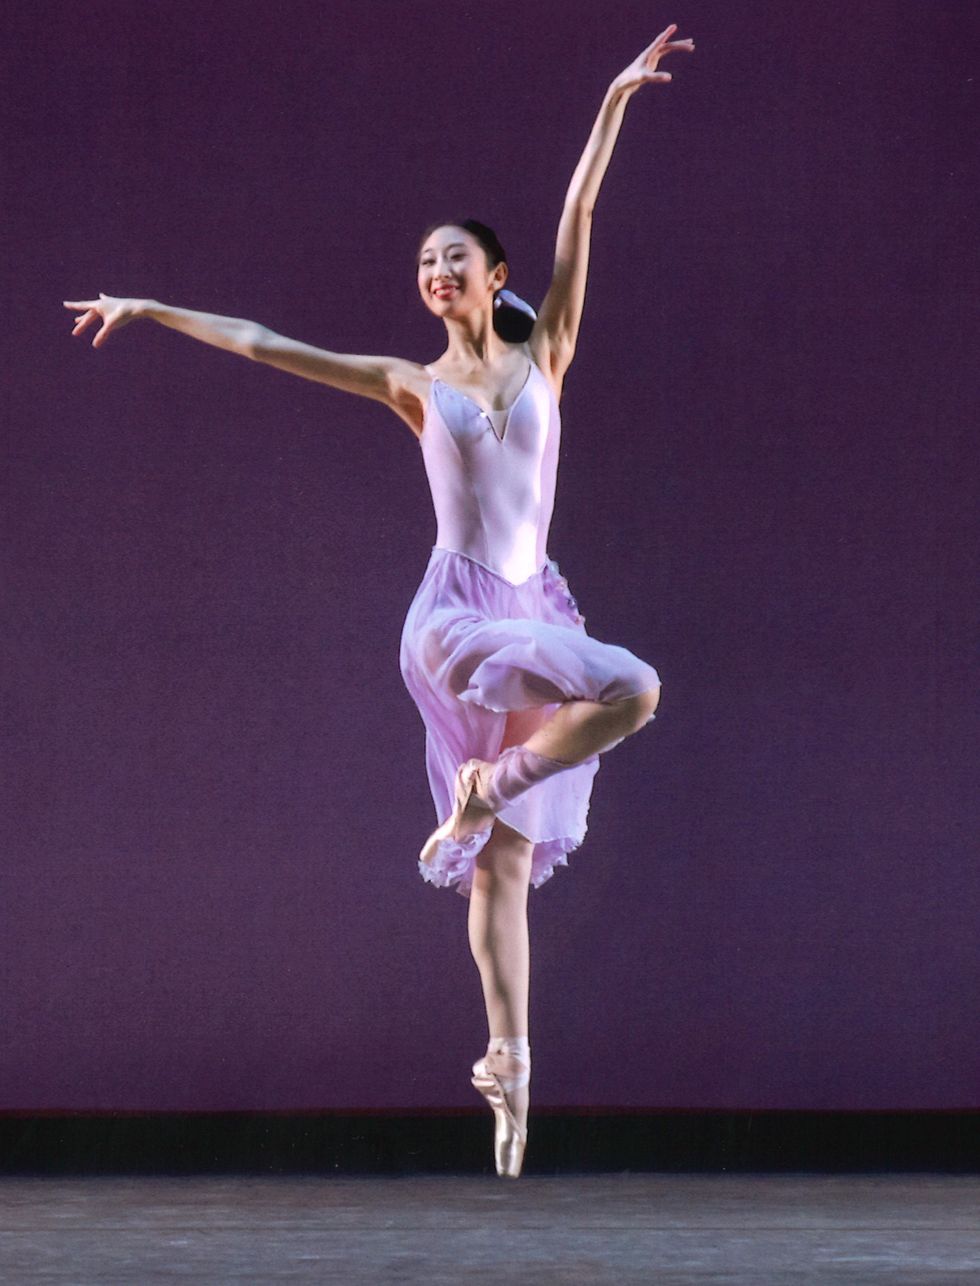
<point x="214" y="784"/>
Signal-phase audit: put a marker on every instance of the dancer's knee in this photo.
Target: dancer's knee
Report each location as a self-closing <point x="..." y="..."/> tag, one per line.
<point x="507" y="853"/>
<point x="639" y="709"/>
<point x="647" y="703"/>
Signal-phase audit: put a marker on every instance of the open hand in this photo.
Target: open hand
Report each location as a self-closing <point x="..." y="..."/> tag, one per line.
<point x="114" y="314"/>
<point x="644" y="68"/>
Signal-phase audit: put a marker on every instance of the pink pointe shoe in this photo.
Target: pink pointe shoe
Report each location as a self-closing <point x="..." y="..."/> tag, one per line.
<point x="470" y="815"/>
<point x="509" y="1138"/>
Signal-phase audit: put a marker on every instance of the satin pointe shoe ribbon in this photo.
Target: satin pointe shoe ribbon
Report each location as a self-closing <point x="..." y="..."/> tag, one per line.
<point x="509" y="1138"/>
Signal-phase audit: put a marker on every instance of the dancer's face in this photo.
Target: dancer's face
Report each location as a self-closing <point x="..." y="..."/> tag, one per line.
<point x="453" y="258"/>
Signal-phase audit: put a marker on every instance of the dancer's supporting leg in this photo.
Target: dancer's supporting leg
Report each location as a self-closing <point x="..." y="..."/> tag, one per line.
<point x="498" y="934"/>
<point x="498" y="929"/>
<point x="497" y="918"/>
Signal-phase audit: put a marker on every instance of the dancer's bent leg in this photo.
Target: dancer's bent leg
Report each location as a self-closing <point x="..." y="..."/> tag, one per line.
<point x="577" y="731"/>
<point x="498" y="935"/>
<point x="580" y="729"/>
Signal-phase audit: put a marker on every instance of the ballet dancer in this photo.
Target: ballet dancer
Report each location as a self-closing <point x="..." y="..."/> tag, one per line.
<point x="517" y="700"/>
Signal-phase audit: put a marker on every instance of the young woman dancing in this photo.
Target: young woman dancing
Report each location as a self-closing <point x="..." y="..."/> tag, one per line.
<point x="517" y="699"/>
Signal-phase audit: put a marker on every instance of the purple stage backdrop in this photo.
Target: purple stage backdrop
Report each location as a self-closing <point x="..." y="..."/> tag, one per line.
<point x="214" y="782"/>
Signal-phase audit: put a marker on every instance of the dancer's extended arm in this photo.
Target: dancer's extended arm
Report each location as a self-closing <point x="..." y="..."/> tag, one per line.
<point x="369" y="376"/>
<point x="556" y="329"/>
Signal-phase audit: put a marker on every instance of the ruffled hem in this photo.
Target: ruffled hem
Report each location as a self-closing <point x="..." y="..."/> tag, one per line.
<point x="455" y="860"/>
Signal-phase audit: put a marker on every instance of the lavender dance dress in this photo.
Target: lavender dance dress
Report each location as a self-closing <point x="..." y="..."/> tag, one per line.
<point x="493" y="627"/>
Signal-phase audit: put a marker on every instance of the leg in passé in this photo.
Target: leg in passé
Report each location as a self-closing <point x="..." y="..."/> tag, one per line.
<point x="580" y="729"/>
<point x="577" y="731"/>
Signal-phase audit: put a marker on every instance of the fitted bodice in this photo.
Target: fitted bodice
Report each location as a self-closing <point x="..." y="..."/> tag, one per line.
<point x="492" y="474"/>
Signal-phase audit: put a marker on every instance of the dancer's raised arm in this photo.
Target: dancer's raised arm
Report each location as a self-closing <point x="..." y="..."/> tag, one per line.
<point x="556" y="329"/>
<point x="373" y="377"/>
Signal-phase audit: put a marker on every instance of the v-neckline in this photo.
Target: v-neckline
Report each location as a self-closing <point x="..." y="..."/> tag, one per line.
<point x="489" y="414"/>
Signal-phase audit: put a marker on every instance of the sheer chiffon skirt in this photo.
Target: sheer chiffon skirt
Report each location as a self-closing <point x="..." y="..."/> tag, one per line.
<point x="475" y="647"/>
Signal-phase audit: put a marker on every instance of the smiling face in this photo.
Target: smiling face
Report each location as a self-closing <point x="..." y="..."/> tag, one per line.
<point x="453" y="274"/>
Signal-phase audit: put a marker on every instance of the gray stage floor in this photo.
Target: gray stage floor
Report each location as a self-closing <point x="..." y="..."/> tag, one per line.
<point x="662" y="1228"/>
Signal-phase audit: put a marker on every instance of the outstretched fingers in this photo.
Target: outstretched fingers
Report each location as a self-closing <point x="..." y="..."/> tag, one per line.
<point x="84" y="320"/>
<point x="664" y="45"/>
<point x="644" y="68"/>
<point x="658" y="44"/>
<point x="95" y="310"/>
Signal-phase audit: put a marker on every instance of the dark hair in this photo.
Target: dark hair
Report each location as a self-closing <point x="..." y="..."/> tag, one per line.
<point x="511" y="324"/>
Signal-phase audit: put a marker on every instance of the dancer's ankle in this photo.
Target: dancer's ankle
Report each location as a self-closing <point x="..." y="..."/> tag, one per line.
<point x="509" y="1058"/>
<point x="519" y="1045"/>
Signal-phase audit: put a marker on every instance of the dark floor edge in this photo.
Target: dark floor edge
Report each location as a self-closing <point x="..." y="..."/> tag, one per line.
<point x="558" y="1142"/>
